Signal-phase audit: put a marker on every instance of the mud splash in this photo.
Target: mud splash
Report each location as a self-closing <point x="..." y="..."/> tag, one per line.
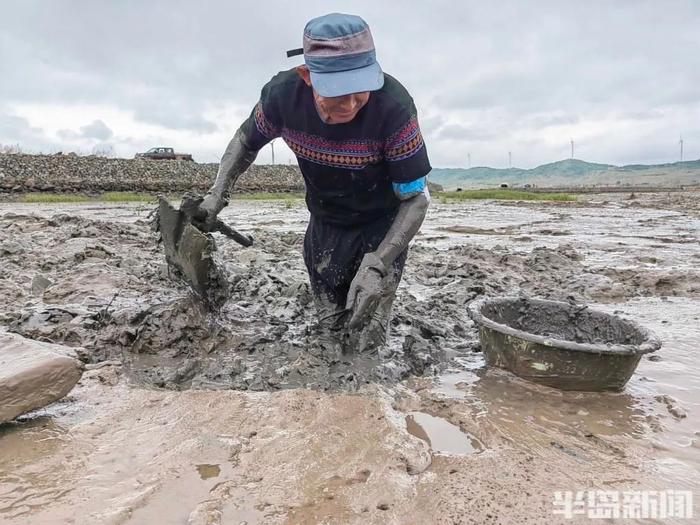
<point x="118" y="302"/>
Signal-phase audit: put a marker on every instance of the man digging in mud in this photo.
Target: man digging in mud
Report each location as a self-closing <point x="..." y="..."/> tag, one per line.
<point x="356" y="137"/>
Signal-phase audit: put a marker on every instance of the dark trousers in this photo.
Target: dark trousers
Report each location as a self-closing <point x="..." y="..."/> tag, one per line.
<point x="332" y="255"/>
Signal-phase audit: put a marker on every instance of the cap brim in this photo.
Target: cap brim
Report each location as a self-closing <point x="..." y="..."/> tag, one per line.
<point x="339" y="83"/>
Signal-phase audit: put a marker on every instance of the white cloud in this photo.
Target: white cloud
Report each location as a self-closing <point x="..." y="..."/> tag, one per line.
<point x="620" y="78"/>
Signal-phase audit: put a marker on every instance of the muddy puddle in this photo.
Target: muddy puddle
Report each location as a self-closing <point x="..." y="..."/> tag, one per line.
<point x="183" y="417"/>
<point x="442" y="436"/>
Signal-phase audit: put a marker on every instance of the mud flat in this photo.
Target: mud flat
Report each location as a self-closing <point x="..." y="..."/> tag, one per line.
<point x="182" y="417"/>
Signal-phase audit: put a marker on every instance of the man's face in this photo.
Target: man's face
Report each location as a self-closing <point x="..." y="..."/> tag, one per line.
<point x="336" y="110"/>
<point x="339" y="110"/>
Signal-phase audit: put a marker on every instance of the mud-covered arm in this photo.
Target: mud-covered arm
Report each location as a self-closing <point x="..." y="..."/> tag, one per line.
<point x="367" y="287"/>
<point x="236" y="159"/>
<point x="407" y="167"/>
<point x="262" y="126"/>
<point x="406" y="224"/>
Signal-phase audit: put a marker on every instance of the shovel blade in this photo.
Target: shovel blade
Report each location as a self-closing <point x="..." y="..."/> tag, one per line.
<point x="190" y="253"/>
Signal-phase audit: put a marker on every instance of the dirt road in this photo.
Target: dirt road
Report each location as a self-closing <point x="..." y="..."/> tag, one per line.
<point x="239" y="418"/>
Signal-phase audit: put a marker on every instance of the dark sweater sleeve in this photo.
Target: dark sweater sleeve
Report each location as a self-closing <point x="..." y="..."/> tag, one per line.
<point x="404" y="149"/>
<point x="264" y="123"/>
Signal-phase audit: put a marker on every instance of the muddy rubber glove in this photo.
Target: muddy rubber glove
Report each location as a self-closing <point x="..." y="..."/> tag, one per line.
<point x="366" y="289"/>
<point x="236" y="159"/>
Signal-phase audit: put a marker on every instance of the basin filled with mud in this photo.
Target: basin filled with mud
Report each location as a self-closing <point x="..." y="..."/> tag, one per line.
<point x="559" y="344"/>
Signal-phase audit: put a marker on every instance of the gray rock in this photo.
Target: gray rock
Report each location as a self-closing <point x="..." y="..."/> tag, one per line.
<point x="39" y="284"/>
<point x="11" y="248"/>
<point x="33" y="374"/>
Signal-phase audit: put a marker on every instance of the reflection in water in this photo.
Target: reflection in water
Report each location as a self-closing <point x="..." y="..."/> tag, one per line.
<point x="501" y="406"/>
<point x="207" y="471"/>
<point x="442" y="436"/>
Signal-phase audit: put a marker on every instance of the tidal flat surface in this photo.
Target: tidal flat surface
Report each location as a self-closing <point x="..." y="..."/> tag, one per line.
<point x="185" y="418"/>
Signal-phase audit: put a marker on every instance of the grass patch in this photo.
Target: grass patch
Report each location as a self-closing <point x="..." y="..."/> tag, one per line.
<point x="504" y="194"/>
<point x="261" y="196"/>
<point x="125" y="196"/>
<point x="110" y="196"/>
<point x="47" y="198"/>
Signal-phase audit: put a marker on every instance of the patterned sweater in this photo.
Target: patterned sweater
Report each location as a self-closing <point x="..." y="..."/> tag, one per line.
<point x="353" y="171"/>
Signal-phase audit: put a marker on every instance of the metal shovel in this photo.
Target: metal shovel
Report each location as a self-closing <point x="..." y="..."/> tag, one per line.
<point x="189" y="250"/>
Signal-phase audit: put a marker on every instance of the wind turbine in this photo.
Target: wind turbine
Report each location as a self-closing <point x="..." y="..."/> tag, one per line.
<point x="681" y="143"/>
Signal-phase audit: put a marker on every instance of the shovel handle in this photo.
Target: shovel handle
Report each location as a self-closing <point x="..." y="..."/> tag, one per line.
<point x="244" y="240"/>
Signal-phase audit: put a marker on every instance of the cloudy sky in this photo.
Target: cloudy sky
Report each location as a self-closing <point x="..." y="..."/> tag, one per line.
<point x="621" y="78"/>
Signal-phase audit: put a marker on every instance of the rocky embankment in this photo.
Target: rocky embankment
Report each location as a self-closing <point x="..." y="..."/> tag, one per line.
<point x="20" y="173"/>
<point x="72" y="173"/>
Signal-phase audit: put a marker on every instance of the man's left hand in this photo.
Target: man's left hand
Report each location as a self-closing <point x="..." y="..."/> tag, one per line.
<point x="366" y="290"/>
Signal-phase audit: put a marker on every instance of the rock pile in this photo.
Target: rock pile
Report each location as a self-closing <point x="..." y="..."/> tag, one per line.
<point x="91" y="174"/>
<point x="72" y="173"/>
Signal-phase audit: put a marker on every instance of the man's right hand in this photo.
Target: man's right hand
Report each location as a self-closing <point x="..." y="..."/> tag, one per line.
<point x="206" y="212"/>
<point x="366" y="290"/>
<point x="237" y="158"/>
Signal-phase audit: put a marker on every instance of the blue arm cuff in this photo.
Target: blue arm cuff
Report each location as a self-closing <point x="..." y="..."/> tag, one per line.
<point x="406" y="190"/>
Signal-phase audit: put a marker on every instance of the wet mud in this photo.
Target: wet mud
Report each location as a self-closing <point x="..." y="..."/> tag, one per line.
<point x="568" y="322"/>
<point x="113" y="295"/>
<point x="198" y="418"/>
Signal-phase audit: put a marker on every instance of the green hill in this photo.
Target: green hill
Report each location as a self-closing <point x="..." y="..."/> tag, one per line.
<point x="569" y="168"/>
<point x="569" y="172"/>
<point x="687" y="164"/>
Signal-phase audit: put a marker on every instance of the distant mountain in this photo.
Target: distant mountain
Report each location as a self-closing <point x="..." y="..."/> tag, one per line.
<point x="687" y="164"/>
<point x="569" y="168"/>
<point x="570" y="172"/>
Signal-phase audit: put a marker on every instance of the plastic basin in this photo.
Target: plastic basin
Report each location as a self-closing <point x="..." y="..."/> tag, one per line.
<point x="558" y="344"/>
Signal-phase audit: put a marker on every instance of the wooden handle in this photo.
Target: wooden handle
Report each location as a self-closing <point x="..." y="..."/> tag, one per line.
<point x="244" y="240"/>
